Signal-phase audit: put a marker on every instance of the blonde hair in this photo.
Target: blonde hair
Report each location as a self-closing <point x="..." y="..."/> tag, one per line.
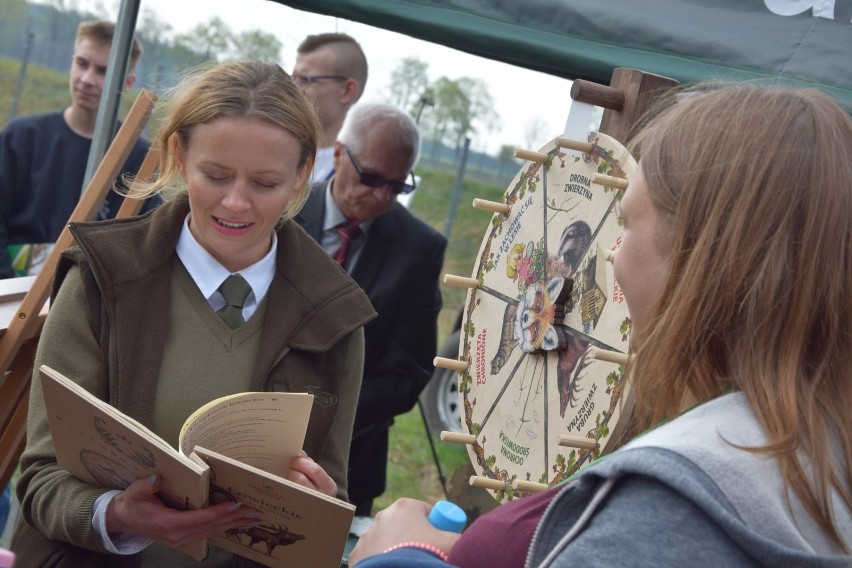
<point x="248" y="89"/>
<point x="754" y="189"/>
<point x="101" y="33"/>
<point x="512" y="260"/>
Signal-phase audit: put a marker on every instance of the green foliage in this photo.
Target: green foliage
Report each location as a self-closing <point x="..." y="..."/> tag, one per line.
<point x="507" y="158"/>
<point x="12" y="12"/>
<point x="209" y="40"/>
<point x="625" y="328"/>
<point x="255" y="44"/>
<point x="462" y="107"/>
<point x="216" y="41"/>
<point x="602" y="430"/>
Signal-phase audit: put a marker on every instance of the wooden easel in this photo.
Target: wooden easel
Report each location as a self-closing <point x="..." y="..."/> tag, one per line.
<point x="18" y="341"/>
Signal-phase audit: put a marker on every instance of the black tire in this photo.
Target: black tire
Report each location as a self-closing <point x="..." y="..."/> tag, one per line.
<point x="440" y="398"/>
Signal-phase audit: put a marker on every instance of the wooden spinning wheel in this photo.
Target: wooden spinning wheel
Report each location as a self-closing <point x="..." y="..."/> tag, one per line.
<point x="537" y="405"/>
<point x="545" y="332"/>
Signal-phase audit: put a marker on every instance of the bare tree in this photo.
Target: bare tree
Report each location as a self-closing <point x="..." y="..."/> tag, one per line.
<point x="408" y="82"/>
<point x="535" y="132"/>
<point x="210" y="40"/>
<point x="255" y="44"/>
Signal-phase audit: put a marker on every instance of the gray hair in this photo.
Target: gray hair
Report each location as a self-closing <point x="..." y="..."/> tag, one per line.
<point x="362" y="120"/>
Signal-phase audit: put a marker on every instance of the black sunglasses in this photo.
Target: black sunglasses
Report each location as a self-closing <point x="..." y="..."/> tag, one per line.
<point x="376" y="181"/>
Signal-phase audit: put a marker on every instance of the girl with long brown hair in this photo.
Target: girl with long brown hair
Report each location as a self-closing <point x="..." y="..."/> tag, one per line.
<point x="736" y="264"/>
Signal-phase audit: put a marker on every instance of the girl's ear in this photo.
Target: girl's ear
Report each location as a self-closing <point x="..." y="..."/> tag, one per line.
<point x="180" y="155"/>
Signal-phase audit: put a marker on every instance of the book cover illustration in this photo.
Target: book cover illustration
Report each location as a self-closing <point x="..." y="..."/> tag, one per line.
<point x="299" y="527"/>
<point x="102" y="446"/>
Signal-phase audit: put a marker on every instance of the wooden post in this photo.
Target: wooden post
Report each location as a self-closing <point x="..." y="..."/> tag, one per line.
<point x="640" y="90"/>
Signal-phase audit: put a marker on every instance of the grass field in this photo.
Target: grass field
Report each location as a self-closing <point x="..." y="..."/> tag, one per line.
<point x="412" y="471"/>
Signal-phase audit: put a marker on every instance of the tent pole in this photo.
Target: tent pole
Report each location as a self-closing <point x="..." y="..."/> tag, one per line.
<point x="105" y="124"/>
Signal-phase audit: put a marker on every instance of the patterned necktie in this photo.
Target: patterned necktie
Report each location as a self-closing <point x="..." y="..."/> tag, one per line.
<point x="348" y="233"/>
<point x="235" y="290"/>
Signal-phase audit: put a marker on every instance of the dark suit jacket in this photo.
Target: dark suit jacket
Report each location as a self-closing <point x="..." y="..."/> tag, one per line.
<point x="399" y="269"/>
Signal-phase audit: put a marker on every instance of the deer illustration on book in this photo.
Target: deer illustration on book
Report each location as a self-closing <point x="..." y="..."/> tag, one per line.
<point x="296" y="528"/>
<point x="272" y="534"/>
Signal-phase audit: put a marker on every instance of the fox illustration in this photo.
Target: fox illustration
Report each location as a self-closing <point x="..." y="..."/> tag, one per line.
<point x="538" y="309"/>
<point x="537" y="328"/>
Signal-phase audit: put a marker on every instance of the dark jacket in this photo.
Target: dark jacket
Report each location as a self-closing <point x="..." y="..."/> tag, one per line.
<point x="399" y="268"/>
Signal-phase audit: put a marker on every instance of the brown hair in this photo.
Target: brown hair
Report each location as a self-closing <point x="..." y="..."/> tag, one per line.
<point x="350" y="59"/>
<point x="754" y="189"/>
<point x="249" y="89"/>
<point x="101" y="33"/>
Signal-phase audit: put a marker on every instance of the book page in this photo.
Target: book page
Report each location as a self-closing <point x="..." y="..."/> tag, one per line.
<point x="263" y="429"/>
<point x="299" y="527"/>
<point x="104" y="447"/>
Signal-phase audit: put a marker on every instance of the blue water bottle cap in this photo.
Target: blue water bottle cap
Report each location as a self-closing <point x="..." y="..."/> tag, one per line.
<point x="448" y="516"/>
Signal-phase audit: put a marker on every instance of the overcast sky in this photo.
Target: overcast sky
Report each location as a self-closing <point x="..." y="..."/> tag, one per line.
<point x="521" y="97"/>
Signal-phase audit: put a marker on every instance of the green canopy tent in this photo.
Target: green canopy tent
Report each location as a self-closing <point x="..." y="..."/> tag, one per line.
<point x="687" y="40"/>
<point x="801" y="42"/>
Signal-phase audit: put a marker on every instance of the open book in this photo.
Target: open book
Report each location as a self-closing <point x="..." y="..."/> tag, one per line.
<point x="228" y="450"/>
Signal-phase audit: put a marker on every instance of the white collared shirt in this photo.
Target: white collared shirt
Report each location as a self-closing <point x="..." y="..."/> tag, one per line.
<point x="208" y="274"/>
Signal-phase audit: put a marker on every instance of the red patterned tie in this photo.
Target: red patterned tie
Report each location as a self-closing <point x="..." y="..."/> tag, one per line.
<point x="348" y="233"/>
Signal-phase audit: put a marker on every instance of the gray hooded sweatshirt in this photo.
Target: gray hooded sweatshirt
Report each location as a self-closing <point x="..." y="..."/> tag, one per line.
<point x="685" y="495"/>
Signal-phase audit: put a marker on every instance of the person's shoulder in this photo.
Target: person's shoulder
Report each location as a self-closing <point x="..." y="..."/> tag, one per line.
<point x="142" y="143"/>
<point x="415" y="226"/>
<point x="33" y="122"/>
<point x="718" y="423"/>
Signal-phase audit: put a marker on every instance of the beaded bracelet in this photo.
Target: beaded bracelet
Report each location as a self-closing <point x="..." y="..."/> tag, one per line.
<point x="422" y="546"/>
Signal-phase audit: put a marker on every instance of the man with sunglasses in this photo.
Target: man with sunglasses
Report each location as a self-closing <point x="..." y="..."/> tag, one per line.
<point x="396" y="259"/>
<point x="331" y="70"/>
